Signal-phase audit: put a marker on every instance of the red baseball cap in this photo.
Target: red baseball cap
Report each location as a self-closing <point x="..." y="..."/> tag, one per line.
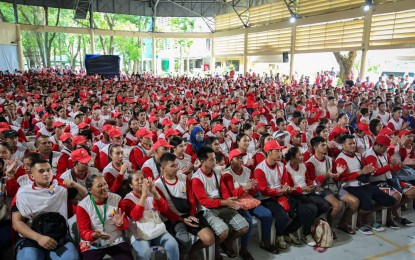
<point x="82" y="125"/>
<point x="365" y="128"/>
<point x="166" y="122"/>
<point x="46" y="115"/>
<point x="116" y="114"/>
<point x="386" y="131"/>
<point x="405" y="132"/>
<point x="65" y="136"/>
<point x="235" y="153"/>
<point x="80" y="155"/>
<point x="115" y="132"/>
<point x="161" y="142"/>
<point x="107" y="127"/>
<point x="143" y="132"/>
<point x="339" y="130"/>
<point x="272" y="145"/>
<point x="171" y="132"/>
<point x="152" y="119"/>
<point x="174" y="110"/>
<point x="191" y="121"/>
<point x="58" y="124"/>
<point x="235" y="121"/>
<point x="383" y="140"/>
<point x="260" y="124"/>
<point x="217" y="128"/>
<point x="79" y="139"/>
<point x="256" y="113"/>
<point x="4" y="125"/>
<point x="204" y="114"/>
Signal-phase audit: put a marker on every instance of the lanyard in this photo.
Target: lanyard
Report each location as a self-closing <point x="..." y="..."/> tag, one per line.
<point x="279" y="173"/>
<point x="101" y="219"/>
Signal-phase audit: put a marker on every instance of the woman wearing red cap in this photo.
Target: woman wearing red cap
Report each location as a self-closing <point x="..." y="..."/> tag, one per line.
<point x="236" y="181"/>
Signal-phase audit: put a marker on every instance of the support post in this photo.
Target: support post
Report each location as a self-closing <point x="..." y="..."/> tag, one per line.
<point x="292" y="51"/>
<point x="91" y="30"/>
<point x="366" y="37"/>
<point x="19" y="48"/>
<point x="212" y="57"/>
<point x="246" y="51"/>
<point x="153" y="42"/>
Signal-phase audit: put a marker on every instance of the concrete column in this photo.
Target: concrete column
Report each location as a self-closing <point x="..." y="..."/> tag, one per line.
<point x="20" y="57"/>
<point x="366" y="37"/>
<point x="212" y="58"/>
<point x="153" y="42"/>
<point x="292" y="51"/>
<point x="246" y="51"/>
<point x="92" y="41"/>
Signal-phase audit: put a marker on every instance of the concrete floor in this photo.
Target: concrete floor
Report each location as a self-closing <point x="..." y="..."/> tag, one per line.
<point x="390" y="244"/>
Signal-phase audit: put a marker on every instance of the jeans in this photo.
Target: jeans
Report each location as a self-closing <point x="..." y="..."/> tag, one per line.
<point x="142" y="248"/>
<point x="284" y="225"/>
<point x="264" y="215"/>
<point x="67" y="252"/>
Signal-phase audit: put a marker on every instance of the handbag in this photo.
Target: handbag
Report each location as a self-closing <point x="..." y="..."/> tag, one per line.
<point x="150" y="225"/>
<point x="182" y="205"/>
<point x="246" y="201"/>
<point x="51" y="224"/>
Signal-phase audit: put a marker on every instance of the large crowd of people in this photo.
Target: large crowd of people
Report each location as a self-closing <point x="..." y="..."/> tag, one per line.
<point x="140" y="161"/>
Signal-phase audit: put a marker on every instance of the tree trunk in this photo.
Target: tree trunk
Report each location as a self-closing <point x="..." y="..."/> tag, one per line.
<point x="346" y="63"/>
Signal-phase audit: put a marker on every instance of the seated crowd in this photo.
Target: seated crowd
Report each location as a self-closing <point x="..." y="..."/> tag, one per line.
<point x="137" y="162"/>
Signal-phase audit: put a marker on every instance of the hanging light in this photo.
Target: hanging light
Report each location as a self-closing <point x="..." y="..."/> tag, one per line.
<point x="293" y="19"/>
<point x="368" y="5"/>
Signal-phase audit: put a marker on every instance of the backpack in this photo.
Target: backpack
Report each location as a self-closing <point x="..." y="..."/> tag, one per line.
<point x="322" y="234"/>
<point x="51" y="224"/>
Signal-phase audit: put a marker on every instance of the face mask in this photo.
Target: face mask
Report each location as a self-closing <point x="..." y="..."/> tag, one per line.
<point x="200" y="138"/>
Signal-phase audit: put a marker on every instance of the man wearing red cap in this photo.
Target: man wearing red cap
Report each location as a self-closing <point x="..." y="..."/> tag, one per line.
<point x="181" y="126"/>
<point x="80" y="168"/>
<point x="384" y="179"/>
<point x="270" y="176"/>
<point x="191" y="123"/>
<point x="234" y="129"/>
<point x="355" y="180"/>
<point x="151" y="167"/>
<point x="59" y="130"/>
<point x="204" y="118"/>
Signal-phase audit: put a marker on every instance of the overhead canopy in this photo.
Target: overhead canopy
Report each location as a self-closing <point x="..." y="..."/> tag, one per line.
<point x="162" y="8"/>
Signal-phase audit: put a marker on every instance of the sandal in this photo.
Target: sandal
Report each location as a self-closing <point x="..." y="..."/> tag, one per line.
<point x="271" y="249"/>
<point x="229" y="252"/>
<point x="347" y="229"/>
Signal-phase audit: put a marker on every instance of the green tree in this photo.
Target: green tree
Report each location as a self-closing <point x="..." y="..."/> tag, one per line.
<point x="183" y="24"/>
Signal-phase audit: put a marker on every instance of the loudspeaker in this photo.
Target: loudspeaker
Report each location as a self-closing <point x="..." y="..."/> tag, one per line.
<point x="285" y="57"/>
